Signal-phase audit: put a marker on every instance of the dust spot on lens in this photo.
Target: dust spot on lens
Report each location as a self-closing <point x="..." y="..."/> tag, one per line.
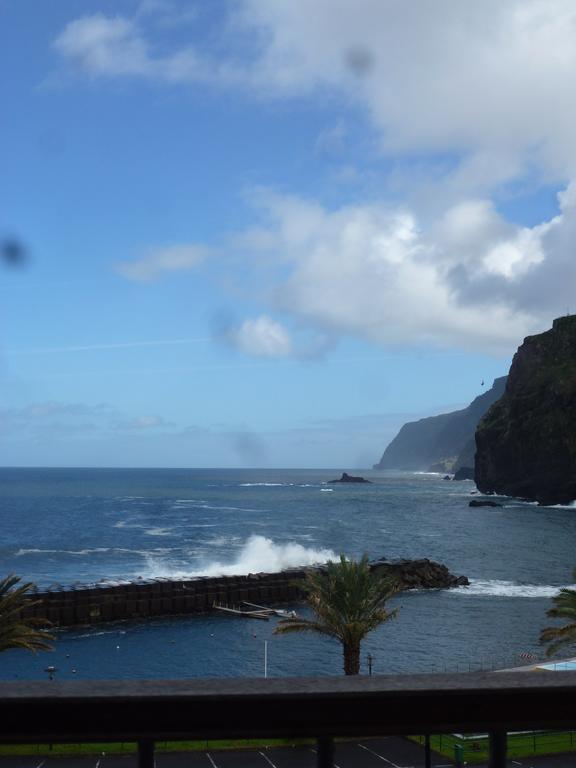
<point x="13" y="252"/>
<point x="360" y="60"/>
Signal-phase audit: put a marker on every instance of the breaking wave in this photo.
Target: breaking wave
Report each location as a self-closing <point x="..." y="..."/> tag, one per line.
<point x="498" y="588"/>
<point x="258" y="555"/>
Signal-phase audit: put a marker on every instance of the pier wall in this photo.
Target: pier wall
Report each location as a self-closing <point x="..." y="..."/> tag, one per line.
<point x="142" y="599"/>
<point x="97" y="603"/>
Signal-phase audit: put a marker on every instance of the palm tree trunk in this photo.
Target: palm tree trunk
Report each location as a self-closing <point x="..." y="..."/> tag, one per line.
<point x="351" y="658"/>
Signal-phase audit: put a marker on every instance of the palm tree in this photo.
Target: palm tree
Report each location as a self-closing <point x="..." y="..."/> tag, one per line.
<point x="347" y="598"/>
<point x="15" y="631"/>
<point x="564" y="608"/>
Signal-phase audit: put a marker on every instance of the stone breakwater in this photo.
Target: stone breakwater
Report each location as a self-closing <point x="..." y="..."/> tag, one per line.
<point x="142" y="599"/>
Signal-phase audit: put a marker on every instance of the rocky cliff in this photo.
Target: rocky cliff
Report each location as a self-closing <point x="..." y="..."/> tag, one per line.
<point x="442" y="442"/>
<point x="526" y="442"/>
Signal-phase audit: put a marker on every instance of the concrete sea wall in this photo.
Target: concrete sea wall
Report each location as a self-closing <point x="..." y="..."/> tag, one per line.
<point x="142" y="599"/>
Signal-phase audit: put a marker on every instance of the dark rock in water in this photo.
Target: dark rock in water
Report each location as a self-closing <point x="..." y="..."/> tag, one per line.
<point x="525" y="444"/>
<point x="420" y="574"/>
<point x="445" y="442"/>
<point x="483" y="503"/>
<point x="464" y="473"/>
<point x="346" y="478"/>
<point x="446" y="477"/>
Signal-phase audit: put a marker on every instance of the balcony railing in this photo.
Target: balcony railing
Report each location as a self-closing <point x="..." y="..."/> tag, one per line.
<point x="323" y="708"/>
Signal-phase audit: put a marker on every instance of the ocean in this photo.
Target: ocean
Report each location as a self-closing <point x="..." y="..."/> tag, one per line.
<point x="83" y="525"/>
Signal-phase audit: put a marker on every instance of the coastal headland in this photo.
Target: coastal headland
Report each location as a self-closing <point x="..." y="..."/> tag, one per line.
<point x="141" y="599"/>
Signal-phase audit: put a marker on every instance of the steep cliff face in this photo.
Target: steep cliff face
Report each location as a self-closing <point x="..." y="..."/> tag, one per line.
<point x="446" y="440"/>
<point x="526" y="442"/>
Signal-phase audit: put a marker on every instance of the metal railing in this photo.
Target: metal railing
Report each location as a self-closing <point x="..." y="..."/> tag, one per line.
<point x="321" y="708"/>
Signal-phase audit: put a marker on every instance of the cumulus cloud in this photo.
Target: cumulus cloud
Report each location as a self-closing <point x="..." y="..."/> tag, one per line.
<point x="374" y="271"/>
<point x="260" y="337"/>
<point x="158" y="261"/>
<point x="487" y="85"/>
<point x="491" y="81"/>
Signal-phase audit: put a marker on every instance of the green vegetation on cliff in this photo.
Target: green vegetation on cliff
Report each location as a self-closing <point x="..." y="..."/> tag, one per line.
<point x="526" y="442"/>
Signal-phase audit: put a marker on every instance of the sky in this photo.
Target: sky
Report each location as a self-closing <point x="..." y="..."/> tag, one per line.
<point x="257" y="237"/>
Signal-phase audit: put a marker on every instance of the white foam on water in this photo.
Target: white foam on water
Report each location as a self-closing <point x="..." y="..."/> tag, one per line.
<point x="97" y="634"/>
<point x="266" y="485"/>
<point x="258" y="555"/>
<point x="128" y="524"/>
<point x="221" y="541"/>
<point x="203" y="525"/>
<point x="201" y="504"/>
<point x="571" y="505"/>
<point x="327" y="490"/>
<point x="499" y="588"/>
<point x="227" y="509"/>
<point x="22" y="552"/>
<point x="158" y="532"/>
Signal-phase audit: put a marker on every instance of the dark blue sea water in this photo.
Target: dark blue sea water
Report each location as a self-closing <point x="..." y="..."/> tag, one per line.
<point x="65" y="526"/>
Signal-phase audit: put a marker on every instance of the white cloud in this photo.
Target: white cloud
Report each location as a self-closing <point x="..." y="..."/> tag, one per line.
<point x="261" y="337"/>
<point x="490" y="81"/>
<point x="157" y="261"/>
<point x="54" y="420"/>
<point x="104" y="46"/>
<point x="372" y="271"/>
<point x="140" y="423"/>
<point x="100" y="45"/>
<point x="488" y="85"/>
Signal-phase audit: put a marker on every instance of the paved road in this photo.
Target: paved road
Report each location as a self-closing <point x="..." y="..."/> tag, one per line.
<point x="390" y="752"/>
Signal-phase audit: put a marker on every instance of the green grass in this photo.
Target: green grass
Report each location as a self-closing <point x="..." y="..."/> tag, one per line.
<point x="129" y="747"/>
<point x="519" y="745"/>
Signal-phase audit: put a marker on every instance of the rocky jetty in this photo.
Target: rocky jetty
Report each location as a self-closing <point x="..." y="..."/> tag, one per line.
<point x="526" y="442"/>
<point x="143" y="599"/>
<point x="440" y="443"/>
<point x="420" y="574"/>
<point x="346" y="478"/>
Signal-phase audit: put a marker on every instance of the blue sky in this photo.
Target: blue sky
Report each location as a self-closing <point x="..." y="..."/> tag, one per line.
<point x="258" y="237"/>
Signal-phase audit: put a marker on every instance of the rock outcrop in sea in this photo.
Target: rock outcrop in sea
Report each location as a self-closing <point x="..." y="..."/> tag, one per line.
<point x="440" y="443"/>
<point x="526" y="442"/>
<point x="346" y="478"/>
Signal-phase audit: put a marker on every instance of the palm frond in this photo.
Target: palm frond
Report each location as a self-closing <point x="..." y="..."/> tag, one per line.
<point x="16" y="631"/>
<point x="564" y="607"/>
<point x="286" y="626"/>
